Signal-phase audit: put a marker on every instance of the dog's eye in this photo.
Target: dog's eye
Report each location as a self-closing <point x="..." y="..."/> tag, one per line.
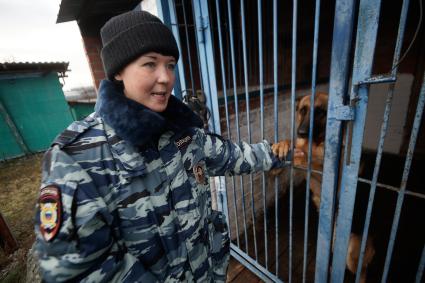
<point x="303" y="111"/>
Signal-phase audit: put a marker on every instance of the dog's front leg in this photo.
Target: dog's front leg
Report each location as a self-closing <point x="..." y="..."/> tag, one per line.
<point x="280" y="150"/>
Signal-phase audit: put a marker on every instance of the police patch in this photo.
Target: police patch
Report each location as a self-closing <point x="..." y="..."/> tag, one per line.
<point x="50" y="212"/>
<point x="198" y="171"/>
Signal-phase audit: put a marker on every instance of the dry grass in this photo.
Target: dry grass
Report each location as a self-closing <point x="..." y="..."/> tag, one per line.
<point x="19" y="184"/>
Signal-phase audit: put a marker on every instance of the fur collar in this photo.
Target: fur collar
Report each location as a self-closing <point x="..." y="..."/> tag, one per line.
<point x="136" y="123"/>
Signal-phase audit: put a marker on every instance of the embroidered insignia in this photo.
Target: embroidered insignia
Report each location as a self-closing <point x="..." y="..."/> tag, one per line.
<point x="50" y="212"/>
<point x="183" y="141"/>
<point x="198" y="171"/>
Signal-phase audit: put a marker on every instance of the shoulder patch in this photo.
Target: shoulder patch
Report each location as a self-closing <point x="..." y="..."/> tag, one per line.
<point x="50" y="212"/>
<point x="73" y="131"/>
<point x="66" y="137"/>
<point x="183" y="141"/>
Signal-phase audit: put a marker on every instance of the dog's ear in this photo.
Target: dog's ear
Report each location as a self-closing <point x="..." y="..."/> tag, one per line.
<point x="297" y="102"/>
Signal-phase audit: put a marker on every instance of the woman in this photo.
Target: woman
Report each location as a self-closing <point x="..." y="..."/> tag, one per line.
<point x="125" y="194"/>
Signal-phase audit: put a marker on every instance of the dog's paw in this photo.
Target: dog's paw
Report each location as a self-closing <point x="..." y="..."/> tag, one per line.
<point x="281" y="148"/>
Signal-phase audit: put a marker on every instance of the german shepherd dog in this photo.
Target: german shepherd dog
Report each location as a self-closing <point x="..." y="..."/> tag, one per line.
<point x="282" y="148"/>
<point x="302" y="117"/>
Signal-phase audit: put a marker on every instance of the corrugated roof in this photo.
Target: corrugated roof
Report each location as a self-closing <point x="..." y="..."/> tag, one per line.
<point x="19" y="67"/>
<point x="71" y="10"/>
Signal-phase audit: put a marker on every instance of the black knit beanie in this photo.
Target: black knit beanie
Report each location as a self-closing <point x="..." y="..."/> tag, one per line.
<point x="127" y="36"/>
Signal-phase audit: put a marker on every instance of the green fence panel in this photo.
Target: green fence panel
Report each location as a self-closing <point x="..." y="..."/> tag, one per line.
<point x="38" y="108"/>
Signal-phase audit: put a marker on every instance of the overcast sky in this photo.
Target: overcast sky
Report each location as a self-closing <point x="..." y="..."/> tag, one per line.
<point x="28" y="32"/>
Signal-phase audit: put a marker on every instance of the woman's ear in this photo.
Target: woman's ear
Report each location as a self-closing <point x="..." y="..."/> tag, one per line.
<point x="118" y="77"/>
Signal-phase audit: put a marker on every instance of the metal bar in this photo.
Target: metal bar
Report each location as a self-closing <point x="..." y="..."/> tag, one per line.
<point x="180" y="75"/>
<point x="276" y="131"/>
<point x="261" y="83"/>
<point x="248" y="122"/>
<point x="245" y="71"/>
<point x="207" y="62"/>
<point x="236" y="210"/>
<point x="412" y="143"/>
<point x="341" y="44"/>
<point x="235" y="96"/>
<point x="399" y="44"/>
<point x="243" y="196"/>
<point x="400" y="37"/>
<point x="367" y="29"/>
<point x="275" y="74"/>
<point x="260" y="63"/>
<point x="392" y="188"/>
<point x="378" y="79"/>
<point x="167" y="13"/>
<point x="421" y="267"/>
<point x="293" y="89"/>
<point x="310" y="134"/>
<point x="252" y="265"/>
<point x="244" y="215"/>
<point x="199" y="37"/>
<point x="384" y="127"/>
<point x="192" y="83"/>
<point x="242" y="188"/>
<point x="380" y="149"/>
<point x="266" y="246"/>
<point x="224" y="86"/>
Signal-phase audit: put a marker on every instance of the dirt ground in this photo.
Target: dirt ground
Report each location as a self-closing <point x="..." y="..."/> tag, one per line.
<point x="19" y="184"/>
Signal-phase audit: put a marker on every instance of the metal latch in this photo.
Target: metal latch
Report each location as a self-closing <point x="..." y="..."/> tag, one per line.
<point x="353" y="103"/>
<point x="345" y="112"/>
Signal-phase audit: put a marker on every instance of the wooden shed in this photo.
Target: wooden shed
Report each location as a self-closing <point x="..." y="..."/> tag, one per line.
<point x="33" y="109"/>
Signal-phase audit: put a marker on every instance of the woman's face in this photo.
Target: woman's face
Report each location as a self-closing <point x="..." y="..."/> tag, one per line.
<point x="149" y="80"/>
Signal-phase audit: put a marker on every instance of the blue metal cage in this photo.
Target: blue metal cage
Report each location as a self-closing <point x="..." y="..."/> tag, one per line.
<point x="251" y="63"/>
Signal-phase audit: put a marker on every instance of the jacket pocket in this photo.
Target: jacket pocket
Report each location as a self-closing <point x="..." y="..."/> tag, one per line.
<point x="219" y="245"/>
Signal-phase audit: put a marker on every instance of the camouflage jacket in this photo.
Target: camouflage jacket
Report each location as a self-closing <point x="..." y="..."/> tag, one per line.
<point x="137" y="212"/>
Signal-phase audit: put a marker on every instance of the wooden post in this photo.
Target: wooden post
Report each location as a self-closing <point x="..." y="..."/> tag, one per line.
<point x="13" y="128"/>
<point x="7" y="241"/>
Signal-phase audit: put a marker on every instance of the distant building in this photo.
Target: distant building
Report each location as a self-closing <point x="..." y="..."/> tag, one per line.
<point x="81" y="101"/>
<point x="86" y="94"/>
